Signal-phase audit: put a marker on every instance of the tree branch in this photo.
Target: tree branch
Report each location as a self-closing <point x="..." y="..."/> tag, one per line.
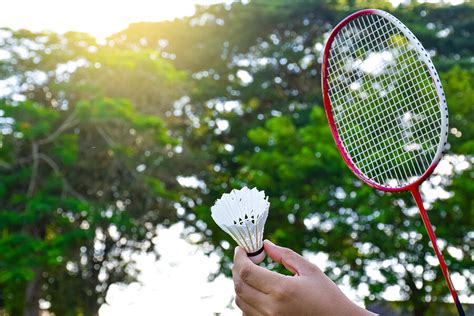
<point x="69" y="122"/>
<point x="34" y="171"/>
<point x="66" y="184"/>
<point x="104" y="135"/>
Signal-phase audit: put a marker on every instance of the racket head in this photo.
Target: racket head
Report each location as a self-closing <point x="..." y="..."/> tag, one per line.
<point x="335" y="98"/>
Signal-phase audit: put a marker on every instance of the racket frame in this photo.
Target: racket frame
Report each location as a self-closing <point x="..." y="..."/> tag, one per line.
<point x="443" y="107"/>
<point x="413" y="187"/>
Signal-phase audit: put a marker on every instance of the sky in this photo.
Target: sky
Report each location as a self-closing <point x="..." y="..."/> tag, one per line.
<point x="100" y="18"/>
<point x="177" y="284"/>
<point x="97" y="17"/>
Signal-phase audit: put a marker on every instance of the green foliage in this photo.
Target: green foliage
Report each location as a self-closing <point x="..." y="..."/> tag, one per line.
<point x="231" y="96"/>
<point x="67" y="156"/>
<point x="281" y="143"/>
<point x="460" y="93"/>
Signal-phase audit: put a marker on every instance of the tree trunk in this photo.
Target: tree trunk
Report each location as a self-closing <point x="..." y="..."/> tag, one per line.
<point x="419" y="310"/>
<point x="32" y="295"/>
<point x="419" y="307"/>
<point x="33" y="287"/>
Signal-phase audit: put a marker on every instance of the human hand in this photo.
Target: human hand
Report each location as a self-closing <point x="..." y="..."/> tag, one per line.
<point x="308" y="292"/>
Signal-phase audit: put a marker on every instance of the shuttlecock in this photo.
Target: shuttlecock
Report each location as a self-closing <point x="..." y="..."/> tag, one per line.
<point x="242" y="214"/>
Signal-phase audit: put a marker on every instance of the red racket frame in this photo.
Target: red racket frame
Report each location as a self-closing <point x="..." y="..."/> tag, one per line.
<point x="412" y="187"/>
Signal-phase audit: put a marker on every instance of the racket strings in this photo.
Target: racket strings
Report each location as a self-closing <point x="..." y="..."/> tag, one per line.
<point x="384" y="101"/>
<point x="377" y="122"/>
<point x="398" y="103"/>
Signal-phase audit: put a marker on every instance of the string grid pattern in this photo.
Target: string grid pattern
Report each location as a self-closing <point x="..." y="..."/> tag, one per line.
<point x="384" y="101"/>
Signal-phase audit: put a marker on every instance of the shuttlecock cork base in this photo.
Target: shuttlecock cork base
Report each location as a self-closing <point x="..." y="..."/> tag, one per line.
<point x="257" y="256"/>
<point x="242" y="214"/>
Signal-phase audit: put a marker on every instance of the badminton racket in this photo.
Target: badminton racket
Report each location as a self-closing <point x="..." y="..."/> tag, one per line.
<point x="386" y="107"/>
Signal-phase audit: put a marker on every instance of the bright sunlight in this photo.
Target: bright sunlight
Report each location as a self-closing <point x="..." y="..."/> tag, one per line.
<point x="99" y="18"/>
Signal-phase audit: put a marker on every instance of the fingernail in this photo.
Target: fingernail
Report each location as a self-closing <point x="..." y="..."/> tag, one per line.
<point x="269" y="242"/>
<point x="235" y="250"/>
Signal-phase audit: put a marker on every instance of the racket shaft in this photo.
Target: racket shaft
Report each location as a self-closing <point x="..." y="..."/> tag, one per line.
<point x="429" y="229"/>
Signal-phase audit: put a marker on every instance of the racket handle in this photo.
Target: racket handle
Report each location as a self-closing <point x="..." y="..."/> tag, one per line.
<point x="429" y="229"/>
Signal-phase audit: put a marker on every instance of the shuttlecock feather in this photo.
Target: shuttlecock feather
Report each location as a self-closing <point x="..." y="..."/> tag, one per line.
<point x="242" y="214"/>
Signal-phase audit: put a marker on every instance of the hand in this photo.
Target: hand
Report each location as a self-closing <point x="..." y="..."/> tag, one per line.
<point x="309" y="292"/>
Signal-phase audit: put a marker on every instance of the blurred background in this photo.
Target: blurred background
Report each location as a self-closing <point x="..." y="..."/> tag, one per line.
<point x="121" y="122"/>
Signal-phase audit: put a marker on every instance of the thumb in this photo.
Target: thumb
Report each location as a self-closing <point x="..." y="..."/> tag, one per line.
<point x="288" y="258"/>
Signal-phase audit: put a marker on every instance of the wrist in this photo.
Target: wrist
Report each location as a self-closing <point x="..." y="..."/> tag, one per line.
<point x="357" y="310"/>
<point x="348" y="307"/>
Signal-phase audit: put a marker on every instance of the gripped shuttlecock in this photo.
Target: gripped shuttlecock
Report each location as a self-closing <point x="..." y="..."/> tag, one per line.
<point x="242" y="214"/>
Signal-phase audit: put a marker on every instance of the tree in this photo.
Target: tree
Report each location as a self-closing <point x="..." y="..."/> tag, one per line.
<point x="247" y="81"/>
<point x="261" y="124"/>
<point x="85" y="172"/>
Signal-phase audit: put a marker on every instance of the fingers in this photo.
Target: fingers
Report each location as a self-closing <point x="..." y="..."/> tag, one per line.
<point x="290" y="259"/>
<point x="246" y="309"/>
<point x="257" y="277"/>
<point x="248" y="294"/>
